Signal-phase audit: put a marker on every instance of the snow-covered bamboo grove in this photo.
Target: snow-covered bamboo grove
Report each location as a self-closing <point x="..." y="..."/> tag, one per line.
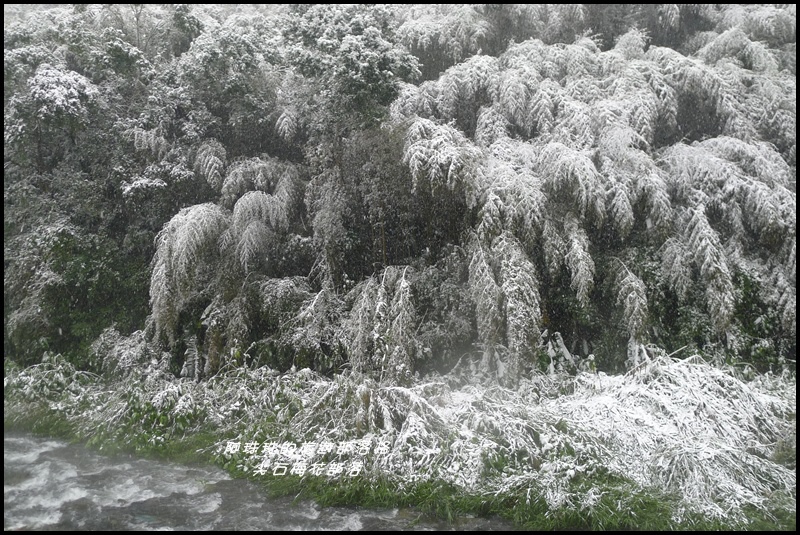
<point x="470" y="233"/>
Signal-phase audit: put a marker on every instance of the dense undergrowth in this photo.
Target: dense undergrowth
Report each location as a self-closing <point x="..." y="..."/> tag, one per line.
<point x="671" y="444"/>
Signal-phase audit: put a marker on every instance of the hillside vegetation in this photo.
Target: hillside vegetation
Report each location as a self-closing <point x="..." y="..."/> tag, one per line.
<point x="474" y="231"/>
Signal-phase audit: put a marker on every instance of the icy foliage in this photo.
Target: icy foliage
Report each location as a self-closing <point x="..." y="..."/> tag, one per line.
<point x="193" y="232"/>
<point x="572" y="151"/>
<point x="149" y="140"/>
<point x="122" y="355"/>
<point x="697" y="435"/>
<point x="455" y="33"/>
<point x="379" y="331"/>
<point x="141" y="184"/>
<point x="210" y="163"/>
<point x="685" y="428"/>
<point x="59" y="92"/>
<point x="439" y="154"/>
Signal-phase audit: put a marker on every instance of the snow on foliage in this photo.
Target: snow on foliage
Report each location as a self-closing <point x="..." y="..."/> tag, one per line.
<point x="666" y="425"/>
<point x="590" y="123"/>
<point x="439" y="154"/>
<point x="59" y="92"/>
<point x="533" y="201"/>
<point x="455" y="34"/>
<point x="694" y="434"/>
<point x="180" y="247"/>
<point x="210" y="163"/>
<point x="141" y="184"/>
